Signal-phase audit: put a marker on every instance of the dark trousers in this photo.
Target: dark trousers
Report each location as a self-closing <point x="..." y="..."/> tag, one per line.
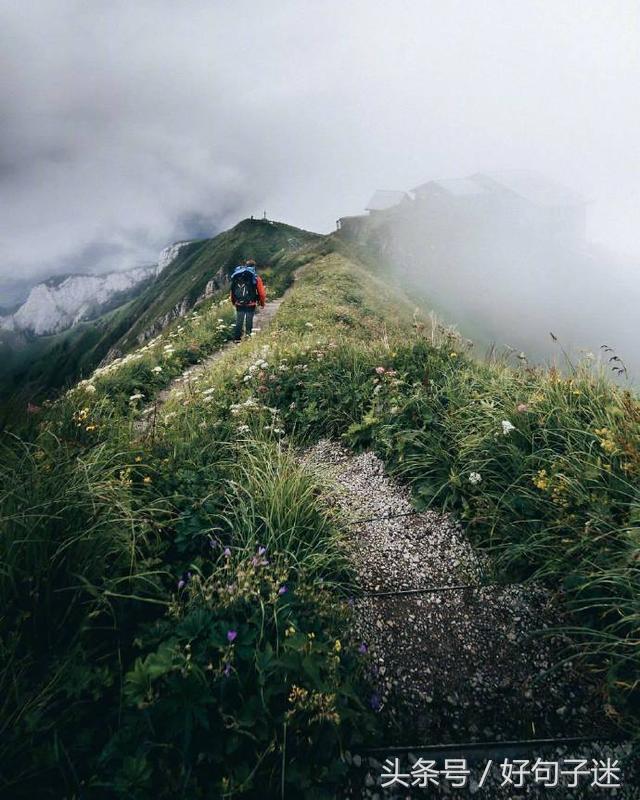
<point x="244" y="319"/>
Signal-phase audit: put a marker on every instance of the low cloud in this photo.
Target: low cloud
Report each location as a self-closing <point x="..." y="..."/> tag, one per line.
<point x="127" y="125"/>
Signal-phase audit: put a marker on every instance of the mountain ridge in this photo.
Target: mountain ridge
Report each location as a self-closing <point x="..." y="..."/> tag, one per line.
<point x="188" y="273"/>
<point x="62" y="301"/>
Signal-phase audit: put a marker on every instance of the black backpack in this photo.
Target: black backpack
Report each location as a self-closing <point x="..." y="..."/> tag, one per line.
<point x="243" y="287"/>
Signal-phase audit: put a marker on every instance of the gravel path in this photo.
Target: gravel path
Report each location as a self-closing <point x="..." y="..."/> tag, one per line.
<point x="454" y="666"/>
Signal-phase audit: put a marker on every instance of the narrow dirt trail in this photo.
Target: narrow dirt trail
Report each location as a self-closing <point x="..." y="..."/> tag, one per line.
<point x="190" y="376"/>
<point x="262" y="320"/>
<point x="452" y="666"/>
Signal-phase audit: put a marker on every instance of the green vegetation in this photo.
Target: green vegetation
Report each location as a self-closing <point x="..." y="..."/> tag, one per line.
<point x="186" y="278"/>
<point x="30" y="369"/>
<point x="175" y="595"/>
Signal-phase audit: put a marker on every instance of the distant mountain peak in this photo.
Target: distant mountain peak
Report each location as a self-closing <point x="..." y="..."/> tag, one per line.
<point x="62" y="301"/>
<point x="169" y="254"/>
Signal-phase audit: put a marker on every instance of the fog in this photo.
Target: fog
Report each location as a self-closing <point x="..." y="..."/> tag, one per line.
<point x="125" y="126"/>
<point x="519" y="280"/>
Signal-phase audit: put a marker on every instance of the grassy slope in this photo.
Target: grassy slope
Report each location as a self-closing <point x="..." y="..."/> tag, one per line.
<point x="51" y="362"/>
<point x="187" y="277"/>
<point x="556" y="457"/>
<point x="194" y="682"/>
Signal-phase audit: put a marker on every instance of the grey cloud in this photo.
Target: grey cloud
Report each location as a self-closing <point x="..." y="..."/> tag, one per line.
<point x="124" y="123"/>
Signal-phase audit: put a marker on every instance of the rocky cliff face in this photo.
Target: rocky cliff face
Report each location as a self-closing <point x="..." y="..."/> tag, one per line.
<point x="54" y="306"/>
<point x="169" y="253"/>
<point x="179" y="310"/>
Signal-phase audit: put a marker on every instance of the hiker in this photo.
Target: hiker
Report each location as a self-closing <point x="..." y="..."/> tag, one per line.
<point x="247" y="289"/>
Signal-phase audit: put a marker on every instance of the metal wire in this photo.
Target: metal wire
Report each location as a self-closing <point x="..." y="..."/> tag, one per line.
<point x="437" y="589"/>
<point x="464" y="746"/>
<point x="495" y="745"/>
<point x="411" y="513"/>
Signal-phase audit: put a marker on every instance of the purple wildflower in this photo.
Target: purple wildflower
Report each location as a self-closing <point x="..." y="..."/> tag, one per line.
<point x="227" y="669"/>
<point x="184" y="580"/>
<point x="232" y="636"/>
<point x="227" y="552"/>
<point x="262" y="550"/>
<point x="282" y="590"/>
<point x="363" y="649"/>
<point x="375" y="702"/>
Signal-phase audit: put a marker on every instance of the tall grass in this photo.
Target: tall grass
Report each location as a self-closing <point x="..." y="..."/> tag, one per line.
<point x="272" y="502"/>
<point x="74" y="546"/>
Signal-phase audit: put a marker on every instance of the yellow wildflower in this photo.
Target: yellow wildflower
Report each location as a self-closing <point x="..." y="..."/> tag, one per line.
<point x="297" y="694"/>
<point x="541" y="480"/>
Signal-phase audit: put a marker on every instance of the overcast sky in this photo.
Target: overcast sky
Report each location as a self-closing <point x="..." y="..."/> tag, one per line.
<point x="125" y="125"/>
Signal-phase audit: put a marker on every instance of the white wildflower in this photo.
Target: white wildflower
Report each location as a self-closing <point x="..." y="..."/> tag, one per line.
<point x="157" y="369"/>
<point x="475" y="478"/>
<point x="137" y="396"/>
<point x="507" y="427"/>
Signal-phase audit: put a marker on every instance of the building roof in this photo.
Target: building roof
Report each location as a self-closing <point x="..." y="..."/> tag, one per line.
<point x="530" y="186"/>
<point x="459" y="187"/>
<point x="526" y="184"/>
<point x="384" y="199"/>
